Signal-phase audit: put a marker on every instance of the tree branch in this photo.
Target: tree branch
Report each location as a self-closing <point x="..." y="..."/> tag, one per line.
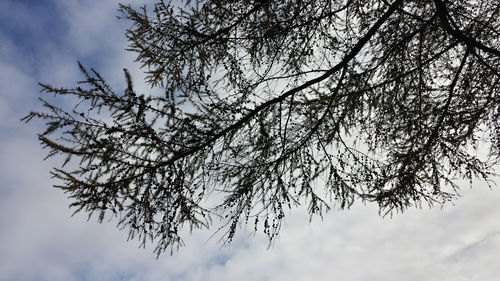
<point x="443" y="14"/>
<point x="352" y="54"/>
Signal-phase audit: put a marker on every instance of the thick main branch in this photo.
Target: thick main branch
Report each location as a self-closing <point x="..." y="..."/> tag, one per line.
<point x="443" y="14"/>
<point x="351" y="55"/>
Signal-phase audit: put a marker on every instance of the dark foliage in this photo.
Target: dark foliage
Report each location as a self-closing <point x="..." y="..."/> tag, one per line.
<point x="271" y="104"/>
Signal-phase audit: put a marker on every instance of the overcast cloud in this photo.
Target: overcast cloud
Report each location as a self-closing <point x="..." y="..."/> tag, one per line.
<point x="40" y="41"/>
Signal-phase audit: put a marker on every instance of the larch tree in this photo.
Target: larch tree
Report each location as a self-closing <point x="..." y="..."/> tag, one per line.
<point x="271" y="104"/>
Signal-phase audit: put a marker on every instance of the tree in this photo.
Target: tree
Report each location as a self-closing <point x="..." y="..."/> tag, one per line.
<point x="271" y="104"/>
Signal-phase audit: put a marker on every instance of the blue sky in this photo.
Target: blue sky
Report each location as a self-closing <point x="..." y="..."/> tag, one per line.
<point x="40" y="41"/>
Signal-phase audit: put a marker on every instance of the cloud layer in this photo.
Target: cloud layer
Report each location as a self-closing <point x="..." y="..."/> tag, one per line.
<point x="39" y="240"/>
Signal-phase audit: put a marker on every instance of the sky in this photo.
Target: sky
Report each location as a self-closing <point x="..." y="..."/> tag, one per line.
<point x="41" y="41"/>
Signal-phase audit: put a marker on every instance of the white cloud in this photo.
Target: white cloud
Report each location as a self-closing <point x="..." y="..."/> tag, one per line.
<point x="40" y="241"/>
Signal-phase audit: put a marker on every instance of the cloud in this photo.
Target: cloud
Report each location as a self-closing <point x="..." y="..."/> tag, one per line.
<point x="39" y="240"/>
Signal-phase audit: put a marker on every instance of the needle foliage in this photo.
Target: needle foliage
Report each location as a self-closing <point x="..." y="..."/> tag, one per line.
<point x="271" y="104"/>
